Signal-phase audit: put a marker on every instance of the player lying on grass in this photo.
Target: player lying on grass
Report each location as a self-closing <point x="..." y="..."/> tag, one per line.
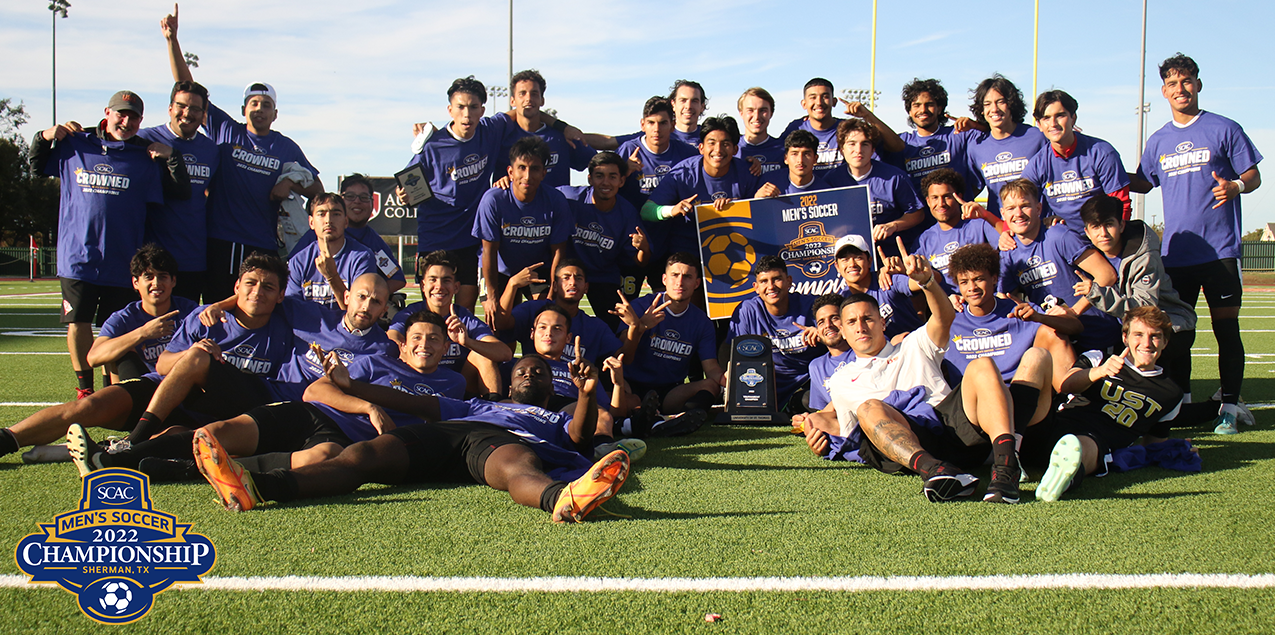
<point x="662" y="334"/>
<point x="521" y="447"/>
<point x="932" y="429"/>
<point x="475" y="351"/>
<point x="296" y="433"/>
<point x="254" y="342"/>
<point x="1122" y="401"/>
<point x="132" y="338"/>
<point x="1002" y="329"/>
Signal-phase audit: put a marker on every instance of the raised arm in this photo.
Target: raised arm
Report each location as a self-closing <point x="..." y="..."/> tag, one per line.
<point x="176" y="61"/>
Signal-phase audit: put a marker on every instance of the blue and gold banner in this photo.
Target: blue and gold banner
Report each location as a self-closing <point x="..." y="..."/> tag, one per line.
<point x="800" y="228"/>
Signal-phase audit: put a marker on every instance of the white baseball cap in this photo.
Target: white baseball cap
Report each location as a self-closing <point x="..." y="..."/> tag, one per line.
<point x="260" y="88"/>
<point x="851" y="240"/>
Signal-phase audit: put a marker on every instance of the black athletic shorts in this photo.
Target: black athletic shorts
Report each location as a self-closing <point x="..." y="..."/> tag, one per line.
<point x="224" y="258"/>
<point x="84" y="302"/>
<point x="960" y="442"/>
<point x="465" y="259"/>
<point x="1220" y="279"/>
<point x="131" y="366"/>
<point x="640" y="389"/>
<point x="140" y="390"/>
<point x="453" y="451"/>
<point x="529" y="292"/>
<point x="228" y="392"/>
<point x="292" y="426"/>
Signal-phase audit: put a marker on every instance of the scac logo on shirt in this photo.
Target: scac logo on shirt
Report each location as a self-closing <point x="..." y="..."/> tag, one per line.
<point x="527" y="220"/>
<point x="196" y="169"/>
<point x="1004" y="156"/>
<point x="1070" y="175"/>
<point x="982" y="332"/>
<point x="718" y="195"/>
<point x="1185" y="146"/>
<point x="673" y="335"/>
<point x="104" y="168"/>
<point x="1034" y="261"/>
<point x="245" y="350"/>
<point x="662" y="169"/>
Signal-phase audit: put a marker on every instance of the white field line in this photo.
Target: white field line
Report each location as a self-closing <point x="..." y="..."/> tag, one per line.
<point x="28" y="295"/>
<point x="28" y="404"/>
<point x="675" y="585"/>
<point x="66" y="353"/>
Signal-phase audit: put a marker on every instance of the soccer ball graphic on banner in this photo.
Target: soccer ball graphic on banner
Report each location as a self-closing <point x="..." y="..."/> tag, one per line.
<point x="731" y="258"/>
<point x="117" y="596"/>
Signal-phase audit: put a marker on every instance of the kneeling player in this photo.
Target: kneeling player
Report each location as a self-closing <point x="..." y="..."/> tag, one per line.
<point x="1119" y="401"/>
<point x="132" y="338"/>
<point x="520" y="447"/>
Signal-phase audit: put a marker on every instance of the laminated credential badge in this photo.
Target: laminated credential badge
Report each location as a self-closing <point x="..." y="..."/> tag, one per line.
<point x="116" y="552"/>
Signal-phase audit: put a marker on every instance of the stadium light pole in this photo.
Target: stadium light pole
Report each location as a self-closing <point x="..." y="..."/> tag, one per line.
<point x="57" y="7"/>
<point x="1035" y="48"/>
<point x="1139" y="200"/>
<point x="872" y="78"/>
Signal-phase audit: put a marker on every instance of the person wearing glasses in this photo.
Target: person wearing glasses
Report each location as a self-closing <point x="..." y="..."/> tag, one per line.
<point x="181" y="227"/>
<point x="356" y="191"/>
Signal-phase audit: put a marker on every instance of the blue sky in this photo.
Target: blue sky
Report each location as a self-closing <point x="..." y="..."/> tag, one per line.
<point x="352" y="77"/>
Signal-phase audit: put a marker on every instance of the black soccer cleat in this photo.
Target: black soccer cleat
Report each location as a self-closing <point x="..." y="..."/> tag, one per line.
<point x="949" y="483"/>
<point x="680" y="425"/>
<point x="1004" y="485"/>
<point x="162" y="470"/>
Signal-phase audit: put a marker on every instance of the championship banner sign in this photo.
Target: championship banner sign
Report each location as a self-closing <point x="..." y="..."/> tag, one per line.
<point x="800" y="228"/>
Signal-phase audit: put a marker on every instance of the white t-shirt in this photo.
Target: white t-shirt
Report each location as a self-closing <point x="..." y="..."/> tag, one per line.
<point x="913" y="362"/>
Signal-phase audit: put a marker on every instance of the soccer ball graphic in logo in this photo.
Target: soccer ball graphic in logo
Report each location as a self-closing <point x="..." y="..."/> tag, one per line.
<point x="117" y="597"/>
<point x="731" y="258"/>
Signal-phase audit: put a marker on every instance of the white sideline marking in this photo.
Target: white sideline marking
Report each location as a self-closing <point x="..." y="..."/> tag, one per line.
<point x="28" y="295"/>
<point x="32" y="353"/>
<point x="42" y="404"/>
<point x="674" y="585"/>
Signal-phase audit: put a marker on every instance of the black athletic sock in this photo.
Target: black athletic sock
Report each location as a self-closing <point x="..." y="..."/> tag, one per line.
<point x="1230" y="358"/>
<point x="549" y="497"/>
<point x="267" y="462"/>
<point x="148" y="426"/>
<point x="85" y="379"/>
<point x="602" y="439"/>
<point x="924" y="463"/>
<point x="168" y="446"/>
<point x="1003" y="451"/>
<point x="8" y="442"/>
<point x="276" y="485"/>
<point x="1024" y="398"/>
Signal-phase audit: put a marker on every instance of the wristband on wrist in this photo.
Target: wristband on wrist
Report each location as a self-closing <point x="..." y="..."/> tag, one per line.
<point x="1240" y="182"/>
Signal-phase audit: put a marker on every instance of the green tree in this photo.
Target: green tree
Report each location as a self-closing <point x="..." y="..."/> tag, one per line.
<point x="28" y="202"/>
<point x="1256" y="234"/>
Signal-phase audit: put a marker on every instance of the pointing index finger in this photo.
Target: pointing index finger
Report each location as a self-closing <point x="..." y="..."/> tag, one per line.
<point x="903" y="250"/>
<point x="578" y="356"/>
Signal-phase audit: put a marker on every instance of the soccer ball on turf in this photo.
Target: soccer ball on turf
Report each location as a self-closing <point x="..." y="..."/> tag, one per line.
<point x="117" y="597"/>
<point x="731" y="258"/>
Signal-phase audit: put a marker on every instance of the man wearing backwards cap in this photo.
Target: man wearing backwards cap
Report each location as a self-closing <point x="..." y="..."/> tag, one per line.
<point x="109" y="176"/>
<point x="243" y="196"/>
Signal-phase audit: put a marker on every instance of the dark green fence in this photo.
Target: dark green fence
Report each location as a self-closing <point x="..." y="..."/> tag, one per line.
<point x="15" y="262"/>
<point x="1257" y="256"/>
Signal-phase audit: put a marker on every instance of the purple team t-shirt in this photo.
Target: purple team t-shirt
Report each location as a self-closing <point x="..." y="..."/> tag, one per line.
<point x="995" y="162"/>
<point x="946" y="148"/>
<point x="459" y="172"/>
<point x="1003" y="339"/>
<point x="385" y="260"/>
<point x="890" y="195"/>
<point x="769" y="153"/>
<point x="526" y="232"/>
<point x="544" y="431"/>
<point x="1182" y="160"/>
<point x="134" y="316"/>
<point x="106" y="188"/>
<point x="688" y="179"/>
<point x="820" y="371"/>
<point x="938" y="244"/>
<point x="664" y="353"/>
<point x="562" y="157"/>
<point x="381" y="370"/>
<point x="829" y="153"/>
<point x="601" y="239"/>
<point x="182" y="226"/>
<point x="1094" y="167"/>
<point x="596" y="339"/>
<point x="239" y="205"/>
<point x="305" y="282"/>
